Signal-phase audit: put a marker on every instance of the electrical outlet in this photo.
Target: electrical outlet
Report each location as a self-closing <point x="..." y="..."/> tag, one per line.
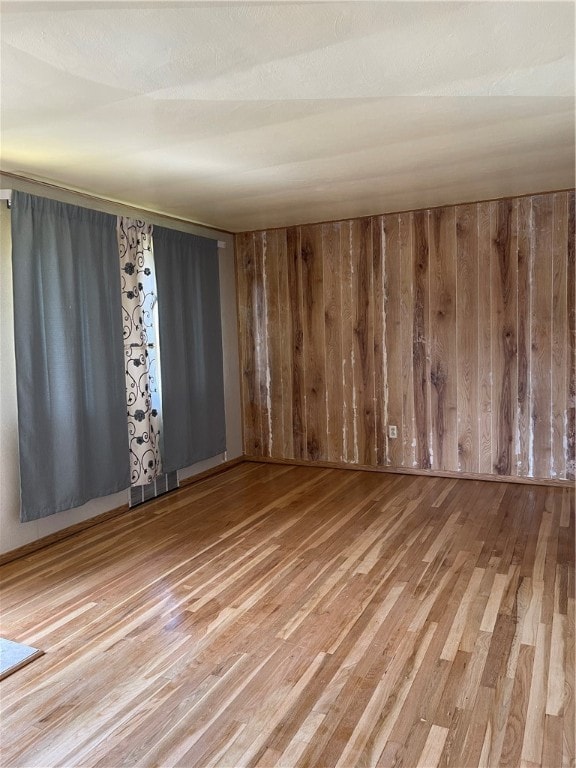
<point x="392" y="431"/>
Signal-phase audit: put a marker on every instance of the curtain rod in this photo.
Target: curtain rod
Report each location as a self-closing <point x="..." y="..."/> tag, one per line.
<point x="98" y="198"/>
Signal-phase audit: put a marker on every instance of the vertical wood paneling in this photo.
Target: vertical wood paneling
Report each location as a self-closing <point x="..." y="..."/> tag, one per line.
<point x="261" y="335"/>
<point x="247" y="305"/>
<point x="349" y="428"/>
<point x="363" y="341"/>
<point x="392" y="310"/>
<point x="333" y="337"/>
<point x="503" y="275"/>
<point x="467" y="336"/>
<point x="298" y="373"/>
<point x="274" y="367"/>
<point x="485" y="236"/>
<point x="407" y="322"/>
<point x="285" y="339"/>
<point x="541" y="320"/>
<point x="420" y="337"/>
<point x="571" y="313"/>
<point x="524" y="459"/>
<point x="455" y="324"/>
<point x="560" y="335"/>
<point x="443" y="369"/>
<point x="381" y="310"/>
<point x="314" y="344"/>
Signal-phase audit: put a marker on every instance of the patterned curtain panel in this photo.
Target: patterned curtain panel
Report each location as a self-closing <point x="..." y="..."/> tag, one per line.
<point x="140" y="349"/>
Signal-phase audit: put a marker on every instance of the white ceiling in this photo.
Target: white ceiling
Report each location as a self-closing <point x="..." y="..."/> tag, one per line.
<point x="252" y="115"/>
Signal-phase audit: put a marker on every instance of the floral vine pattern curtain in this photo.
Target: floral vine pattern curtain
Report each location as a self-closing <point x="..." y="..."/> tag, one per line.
<point x="140" y="349"/>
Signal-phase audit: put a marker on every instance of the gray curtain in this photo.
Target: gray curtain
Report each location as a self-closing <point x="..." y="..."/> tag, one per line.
<point x="190" y="348"/>
<point x="69" y="355"/>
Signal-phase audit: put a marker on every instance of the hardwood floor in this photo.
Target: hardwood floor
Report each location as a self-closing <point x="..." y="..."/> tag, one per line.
<point x="296" y="616"/>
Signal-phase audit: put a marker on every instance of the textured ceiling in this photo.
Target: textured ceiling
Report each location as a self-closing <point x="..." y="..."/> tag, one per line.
<point x="251" y="115"/>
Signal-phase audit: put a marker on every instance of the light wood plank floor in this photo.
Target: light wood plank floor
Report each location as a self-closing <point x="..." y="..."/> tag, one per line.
<point x="295" y="616"/>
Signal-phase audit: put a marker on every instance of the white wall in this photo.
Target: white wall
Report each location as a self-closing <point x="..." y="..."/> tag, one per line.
<point x="13" y="533"/>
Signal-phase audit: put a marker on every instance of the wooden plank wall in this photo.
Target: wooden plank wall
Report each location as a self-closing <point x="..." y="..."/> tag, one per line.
<point x="455" y="324"/>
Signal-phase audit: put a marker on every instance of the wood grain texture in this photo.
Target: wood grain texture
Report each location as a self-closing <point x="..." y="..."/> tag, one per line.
<point x="298" y="370"/>
<point x="503" y="274"/>
<point x="407" y="328"/>
<point x="546" y="482"/>
<point x="249" y="330"/>
<point x="541" y="321"/>
<point x="524" y="454"/>
<point x="349" y="422"/>
<point x="277" y="615"/>
<point x="285" y="340"/>
<point x="443" y="354"/>
<point x="420" y="336"/>
<point x="486" y="439"/>
<point x="455" y="325"/>
<point x="571" y="315"/>
<point x="273" y="389"/>
<point x="263" y="383"/>
<point x="314" y="340"/>
<point x="333" y="339"/>
<point x="560" y="336"/>
<point x="467" y="336"/>
<point x="380" y="298"/>
<point x="363" y="341"/>
<point x="392" y="452"/>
